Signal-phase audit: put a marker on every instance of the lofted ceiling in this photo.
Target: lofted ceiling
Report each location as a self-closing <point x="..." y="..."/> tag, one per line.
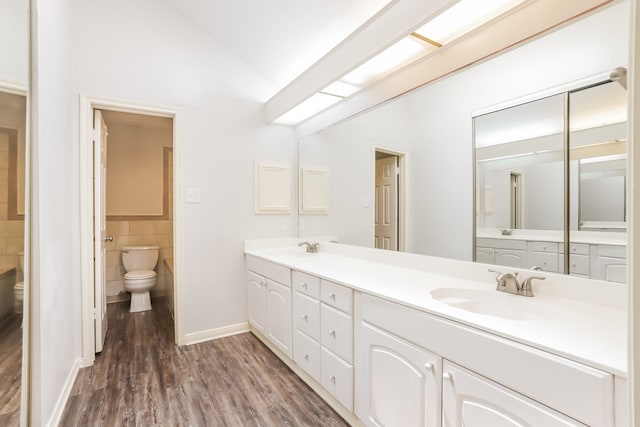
<point x="279" y="38"/>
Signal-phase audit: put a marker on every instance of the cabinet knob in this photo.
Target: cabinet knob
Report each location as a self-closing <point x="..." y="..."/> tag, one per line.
<point x="428" y="366"/>
<point x="305" y="317"/>
<point x="332" y="296"/>
<point x="332" y="333"/>
<point x="306" y="357"/>
<point x="447" y="376"/>
<point x="332" y="378"/>
<point x="305" y="286"/>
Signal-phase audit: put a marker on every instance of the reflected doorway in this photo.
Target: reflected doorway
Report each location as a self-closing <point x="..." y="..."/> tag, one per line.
<point x="389" y="200"/>
<point x="13" y="123"/>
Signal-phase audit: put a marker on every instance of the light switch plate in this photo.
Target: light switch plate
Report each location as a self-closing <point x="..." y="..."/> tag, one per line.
<point x="193" y="195"/>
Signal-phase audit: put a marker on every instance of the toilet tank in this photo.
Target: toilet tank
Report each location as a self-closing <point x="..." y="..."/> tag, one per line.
<point x="136" y="258"/>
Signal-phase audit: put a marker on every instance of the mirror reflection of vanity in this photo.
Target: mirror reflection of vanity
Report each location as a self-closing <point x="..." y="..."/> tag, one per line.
<point x="14" y="296"/>
<point x="551" y="180"/>
<point x="444" y="207"/>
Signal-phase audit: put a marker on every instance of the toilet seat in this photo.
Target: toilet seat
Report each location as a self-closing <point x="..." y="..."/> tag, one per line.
<point x="141" y="274"/>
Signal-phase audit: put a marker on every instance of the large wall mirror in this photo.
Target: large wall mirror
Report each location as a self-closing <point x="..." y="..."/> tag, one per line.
<point x="14" y="295"/>
<point x="551" y="180"/>
<point x="425" y="139"/>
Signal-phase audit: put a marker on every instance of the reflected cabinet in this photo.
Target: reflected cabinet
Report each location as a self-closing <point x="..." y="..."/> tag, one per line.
<point x="550" y="180"/>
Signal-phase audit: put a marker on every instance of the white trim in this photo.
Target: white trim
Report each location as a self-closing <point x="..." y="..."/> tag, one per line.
<point x="61" y="403"/>
<point x="15" y="89"/>
<point x="213" y="334"/>
<point x="87" y="105"/>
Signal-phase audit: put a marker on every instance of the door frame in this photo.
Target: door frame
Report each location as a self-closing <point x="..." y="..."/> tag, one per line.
<point x="87" y="105"/>
<point x="402" y="190"/>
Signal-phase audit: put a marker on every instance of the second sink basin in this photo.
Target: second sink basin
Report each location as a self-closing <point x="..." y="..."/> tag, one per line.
<point x="496" y="304"/>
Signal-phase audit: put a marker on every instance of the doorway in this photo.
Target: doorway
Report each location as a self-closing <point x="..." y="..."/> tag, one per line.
<point x="128" y="176"/>
<point x="389" y="200"/>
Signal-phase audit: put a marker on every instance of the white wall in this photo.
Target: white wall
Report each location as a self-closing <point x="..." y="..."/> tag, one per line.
<point x="439" y="123"/>
<point x="55" y="251"/>
<point x="14" y="42"/>
<point x="144" y="52"/>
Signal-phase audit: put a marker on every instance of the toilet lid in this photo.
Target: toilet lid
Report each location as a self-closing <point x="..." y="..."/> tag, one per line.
<point x="142" y="274"/>
<point x="19" y="285"/>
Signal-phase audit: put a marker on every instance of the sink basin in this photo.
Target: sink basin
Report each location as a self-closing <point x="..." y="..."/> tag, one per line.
<point x="486" y="303"/>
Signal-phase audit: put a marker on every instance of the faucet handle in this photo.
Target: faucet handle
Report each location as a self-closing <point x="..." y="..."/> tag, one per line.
<point x="527" y="289"/>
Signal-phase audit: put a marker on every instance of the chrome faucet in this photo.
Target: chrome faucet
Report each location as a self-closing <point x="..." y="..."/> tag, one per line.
<point x="311" y="247"/>
<point x="508" y="282"/>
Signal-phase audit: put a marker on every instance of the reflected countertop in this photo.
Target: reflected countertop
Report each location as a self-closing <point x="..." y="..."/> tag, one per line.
<point x="588" y="237"/>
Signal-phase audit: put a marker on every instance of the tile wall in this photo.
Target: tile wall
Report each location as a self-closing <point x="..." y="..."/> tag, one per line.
<point x="11" y="231"/>
<point x="136" y="233"/>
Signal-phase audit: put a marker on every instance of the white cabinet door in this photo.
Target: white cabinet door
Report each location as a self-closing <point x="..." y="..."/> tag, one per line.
<point x="473" y="401"/>
<point x="279" y="315"/>
<point x="397" y="383"/>
<point x="511" y="258"/>
<point x="484" y="255"/>
<point x="256" y="288"/>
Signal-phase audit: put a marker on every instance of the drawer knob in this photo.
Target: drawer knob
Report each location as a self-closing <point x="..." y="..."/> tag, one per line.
<point x="428" y="366"/>
<point x="332" y="378"/>
<point x="332" y="333"/>
<point x="447" y="376"/>
<point x="332" y="296"/>
<point x="305" y="286"/>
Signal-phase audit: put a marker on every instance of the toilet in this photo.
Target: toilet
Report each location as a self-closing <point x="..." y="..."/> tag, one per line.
<point x="139" y="262"/>
<point x="18" y="289"/>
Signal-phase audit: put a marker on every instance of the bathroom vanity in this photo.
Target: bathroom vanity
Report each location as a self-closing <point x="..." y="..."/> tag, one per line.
<point x="397" y="339"/>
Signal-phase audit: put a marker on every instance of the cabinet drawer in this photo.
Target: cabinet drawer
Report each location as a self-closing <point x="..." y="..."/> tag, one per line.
<point x="306" y="315"/>
<point x="472" y="400"/>
<point x="337" y="332"/>
<point x="306" y="353"/>
<point x="306" y="284"/>
<point x="544" y="260"/>
<point x="268" y="269"/>
<point x="337" y="378"/>
<point x="579" y="248"/>
<point x="543" y="246"/>
<point x="337" y="296"/>
<point x="579" y="264"/>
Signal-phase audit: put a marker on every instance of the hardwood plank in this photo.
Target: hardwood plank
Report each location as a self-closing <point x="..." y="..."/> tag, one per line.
<point x="10" y="370"/>
<point x="142" y="378"/>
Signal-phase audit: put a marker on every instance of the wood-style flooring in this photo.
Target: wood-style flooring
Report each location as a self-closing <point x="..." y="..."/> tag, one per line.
<point x="142" y="378"/>
<point x="10" y="371"/>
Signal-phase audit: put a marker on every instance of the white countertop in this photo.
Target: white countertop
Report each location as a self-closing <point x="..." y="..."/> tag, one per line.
<point x="586" y="329"/>
<point x="589" y="237"/>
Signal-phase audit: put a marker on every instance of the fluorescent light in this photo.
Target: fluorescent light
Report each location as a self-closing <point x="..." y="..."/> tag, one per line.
<point x="340" y="88"/>
<point x="308" y="108"/>
<point x="394" y="57"/>
<point x="463" y="17"/>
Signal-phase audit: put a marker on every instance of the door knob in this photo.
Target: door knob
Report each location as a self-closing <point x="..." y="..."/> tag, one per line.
<point x="108" y="239"/>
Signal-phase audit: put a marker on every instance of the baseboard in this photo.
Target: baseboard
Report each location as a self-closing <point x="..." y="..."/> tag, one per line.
<point x="58" y="409"/>
<point x="212" y="334"/>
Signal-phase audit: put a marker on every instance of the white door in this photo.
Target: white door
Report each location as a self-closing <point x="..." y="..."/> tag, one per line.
<point x="279" y="315"/>
<point x="100" y="227"/>
<point x="257" y="305"/>
<point x="397" y="383"/>
<point x="473" y="401"/>
<point x="386" y="215"/>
